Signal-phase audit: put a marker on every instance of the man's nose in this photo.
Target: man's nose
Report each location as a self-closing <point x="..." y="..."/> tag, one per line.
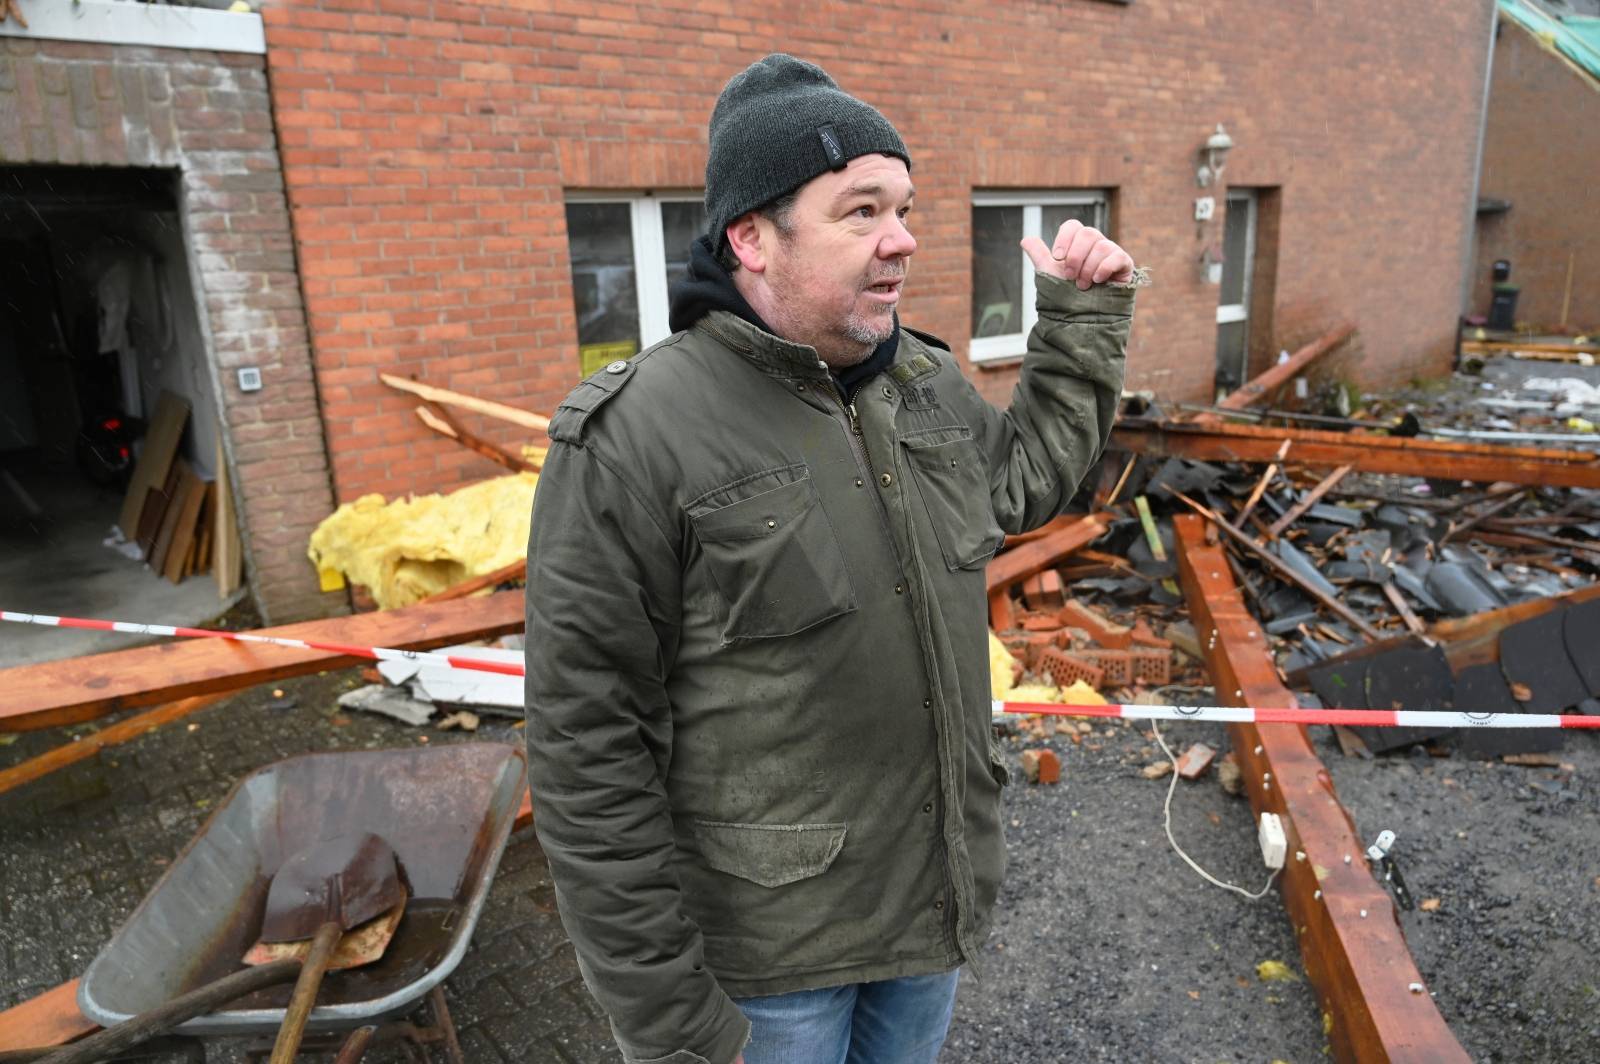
<point x="898" y="243"/>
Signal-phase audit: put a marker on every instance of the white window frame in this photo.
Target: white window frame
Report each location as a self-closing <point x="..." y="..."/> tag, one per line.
<point x="1242" y="199"/>
<point x="1015" y="345"/>
<point x="649" y="252"/>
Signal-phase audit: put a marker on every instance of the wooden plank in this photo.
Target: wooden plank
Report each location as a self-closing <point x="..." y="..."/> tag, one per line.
<point x="51" y="1019"/>
<point x="87" y="746"/>
<point x="155" y="458"/>
<point x="191" y="494"/>
<point x="54" y="693"/>
<point x="205" y="527"/>
<point x="1493" y="347"/>
<point x="487" y="407"/>
<point x="1022" y="562"/>
<point x="1352" y="947"/>
<point x="157" y="558"/>
<point x="1459" y="460"/>
<point x="150" y="515"/>
<point x="1254" y="390"/>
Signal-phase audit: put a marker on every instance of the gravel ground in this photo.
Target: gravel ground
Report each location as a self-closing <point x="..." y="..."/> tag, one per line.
<point x="1512" y="953"/>
<point x="1108" y="947"/>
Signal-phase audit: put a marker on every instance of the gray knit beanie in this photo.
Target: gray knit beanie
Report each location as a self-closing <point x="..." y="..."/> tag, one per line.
<point x="778" y="123"/>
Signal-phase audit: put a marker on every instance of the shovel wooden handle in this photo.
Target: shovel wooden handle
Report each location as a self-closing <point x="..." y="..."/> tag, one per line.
<point x="113" y="1040"/>
<point x="305" y="992"/>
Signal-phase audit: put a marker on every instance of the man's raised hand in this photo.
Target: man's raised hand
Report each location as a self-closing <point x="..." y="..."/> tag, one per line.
<point x="1081" y="254"/>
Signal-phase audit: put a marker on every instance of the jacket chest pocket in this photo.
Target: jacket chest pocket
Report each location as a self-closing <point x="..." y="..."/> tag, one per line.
<point x="773" y="555"/>
<point x="953" y="480"/>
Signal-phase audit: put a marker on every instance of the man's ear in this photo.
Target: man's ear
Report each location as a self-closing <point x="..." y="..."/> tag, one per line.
<point x="747" y="240"/>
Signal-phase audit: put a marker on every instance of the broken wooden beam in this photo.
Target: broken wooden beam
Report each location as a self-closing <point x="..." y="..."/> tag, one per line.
<point x="1019" y="563"/>
<point x="517" y="570"/>
<point x="53" y="693"/>
<point x="1254" y="390"/>
<point x="1298" y="510"/>
<point x="439" y="420"/>
<point x="1456" y="460"/>
<point x="87" y="746"/>
<point x="487" y="407"/>
<point x="1375" y="1001"/>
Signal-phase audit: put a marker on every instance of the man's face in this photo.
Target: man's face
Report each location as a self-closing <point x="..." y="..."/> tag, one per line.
<point x="835" y="276"/>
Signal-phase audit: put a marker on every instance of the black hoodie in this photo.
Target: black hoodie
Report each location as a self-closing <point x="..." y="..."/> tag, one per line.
<point x="707" y="287"/>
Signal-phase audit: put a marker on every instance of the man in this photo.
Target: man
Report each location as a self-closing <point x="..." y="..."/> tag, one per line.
<point x="758" y="678"/>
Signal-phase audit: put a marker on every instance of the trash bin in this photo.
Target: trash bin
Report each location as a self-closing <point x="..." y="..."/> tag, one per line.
<point x="1503" y="307"/>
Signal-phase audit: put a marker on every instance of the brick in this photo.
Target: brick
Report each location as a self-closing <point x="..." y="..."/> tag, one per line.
<point x="1064" y="669"/>
<point x="1195" y="760"/>
<point x="1101" y="629"/>
<point x="1041" y="766"/>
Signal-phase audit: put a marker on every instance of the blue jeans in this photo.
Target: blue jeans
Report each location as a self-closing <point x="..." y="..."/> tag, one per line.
<point x="894" y="1021"/>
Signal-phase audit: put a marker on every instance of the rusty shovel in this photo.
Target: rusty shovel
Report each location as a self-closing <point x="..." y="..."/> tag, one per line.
<point x="318" y="894"/>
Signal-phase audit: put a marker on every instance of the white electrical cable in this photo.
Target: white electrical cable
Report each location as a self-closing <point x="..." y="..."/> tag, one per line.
<point x="1167" y="813"/>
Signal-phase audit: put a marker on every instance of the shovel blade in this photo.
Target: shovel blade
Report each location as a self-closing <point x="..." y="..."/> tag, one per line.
<point x="348" y="879"/>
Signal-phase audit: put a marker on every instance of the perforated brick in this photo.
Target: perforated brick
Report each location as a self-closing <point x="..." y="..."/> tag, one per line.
<point x="1065" y="669"/>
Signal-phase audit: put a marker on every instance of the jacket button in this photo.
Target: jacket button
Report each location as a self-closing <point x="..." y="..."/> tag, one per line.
<point x="886" y="479"/>
<point x="927" y="703"/>
<point x="927" y="807"/>
<point x="772" y="524"/>
<point x="800" y="387"/>
<point x="939" y="905"/>
<point x="888" y="392"/>
<point x="899" y="589"/>
<point x="617" y="367"/>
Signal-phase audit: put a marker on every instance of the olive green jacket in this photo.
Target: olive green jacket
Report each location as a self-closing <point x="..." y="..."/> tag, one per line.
<point x="758" y="673"/>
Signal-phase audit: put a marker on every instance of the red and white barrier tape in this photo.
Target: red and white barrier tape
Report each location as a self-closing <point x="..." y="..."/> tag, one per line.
<point x="1355" y="718"/>
<point x="1369" y="718"/>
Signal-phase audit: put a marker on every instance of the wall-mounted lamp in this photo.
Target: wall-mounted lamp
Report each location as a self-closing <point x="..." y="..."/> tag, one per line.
<point x="1213" y="157"/>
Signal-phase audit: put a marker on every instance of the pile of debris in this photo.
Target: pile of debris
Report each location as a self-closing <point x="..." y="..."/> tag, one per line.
<point x="1414" y="560"/>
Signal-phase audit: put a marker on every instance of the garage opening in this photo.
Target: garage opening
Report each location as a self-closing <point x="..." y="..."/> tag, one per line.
<point x="112" y="502"/>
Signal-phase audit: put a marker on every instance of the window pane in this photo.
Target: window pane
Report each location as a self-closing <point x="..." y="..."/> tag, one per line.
<point x="1053" y="216"/>
<point x="1231" y="339"/>
<point x="996" y="271"/>
<point x="681" y="225"/>
<point x="1235" y="252"/>
<point x="605" y="293"/>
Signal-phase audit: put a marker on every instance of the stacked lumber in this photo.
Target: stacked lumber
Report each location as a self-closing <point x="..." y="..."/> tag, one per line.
<point x="182" y="523"/>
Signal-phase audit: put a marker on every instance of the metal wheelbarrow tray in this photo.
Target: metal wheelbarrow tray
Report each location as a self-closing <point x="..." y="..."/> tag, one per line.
<point x="447" y="811"/>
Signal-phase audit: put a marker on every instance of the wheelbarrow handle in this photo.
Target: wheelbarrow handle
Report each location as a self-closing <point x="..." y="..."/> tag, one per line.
<point x="130" y="1032"/>
<point x="305" y="992"/>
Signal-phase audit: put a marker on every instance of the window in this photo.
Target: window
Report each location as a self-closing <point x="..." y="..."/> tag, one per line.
<point x="1002" y="277"/>
<point x="627" y="251"/>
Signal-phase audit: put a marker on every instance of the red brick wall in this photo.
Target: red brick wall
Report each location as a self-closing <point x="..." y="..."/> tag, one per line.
<point x="1541" y="151"/>
<point x="427" y="148"/>
<point x="207" y="115"/>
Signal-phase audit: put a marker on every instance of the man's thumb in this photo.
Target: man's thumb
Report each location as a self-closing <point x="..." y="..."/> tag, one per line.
<point x="1039" y="255"/>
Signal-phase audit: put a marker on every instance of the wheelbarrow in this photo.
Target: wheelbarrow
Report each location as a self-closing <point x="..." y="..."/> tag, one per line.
<point x="446" y="811"/>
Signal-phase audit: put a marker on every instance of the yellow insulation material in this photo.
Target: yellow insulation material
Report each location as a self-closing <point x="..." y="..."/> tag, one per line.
<point x="1003" y="689"/>
<point x="406" y="550"/>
